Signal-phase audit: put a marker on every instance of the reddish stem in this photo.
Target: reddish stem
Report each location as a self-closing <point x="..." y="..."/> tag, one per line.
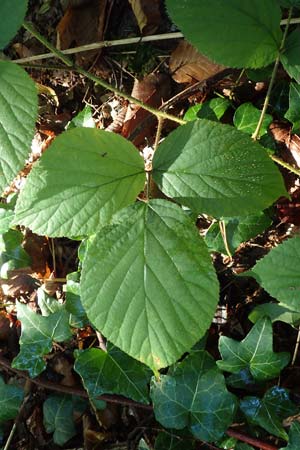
<point x="249" y="440"/>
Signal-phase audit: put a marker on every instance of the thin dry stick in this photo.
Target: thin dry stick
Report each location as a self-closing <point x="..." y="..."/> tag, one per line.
<point x="150" y="186"/>
<point x="274" y="73"/>
<point x="222" y="227"/>
<point x="296" y="347"/>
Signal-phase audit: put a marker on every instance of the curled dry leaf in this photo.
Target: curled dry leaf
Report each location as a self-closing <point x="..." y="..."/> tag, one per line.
<point x="147" y="15"/>
<point x="187" y="64"/>
<point x="80" y="25"/>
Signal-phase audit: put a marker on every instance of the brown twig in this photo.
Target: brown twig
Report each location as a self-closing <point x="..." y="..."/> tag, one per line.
<point x="249" y="440"/>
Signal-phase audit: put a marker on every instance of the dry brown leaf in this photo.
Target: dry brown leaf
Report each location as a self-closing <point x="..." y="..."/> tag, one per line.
<point x="147" y="14"/>
<point x="187" y="64"/>
<point x="82" y="25"/>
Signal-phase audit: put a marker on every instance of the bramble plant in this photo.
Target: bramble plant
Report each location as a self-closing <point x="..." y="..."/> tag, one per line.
<point x="146" y="279"/>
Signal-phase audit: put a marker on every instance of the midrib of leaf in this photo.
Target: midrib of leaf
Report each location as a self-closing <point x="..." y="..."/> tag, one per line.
<point x="235" y="354"/>
<point x="258" y="342"/>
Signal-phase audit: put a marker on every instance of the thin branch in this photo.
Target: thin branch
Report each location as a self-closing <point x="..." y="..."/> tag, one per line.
<point x="273" y="76"/>
<point x="102" y="44"/>
<point x="222" y="227"/>
<point x="285" y="165"/>
<point x="296" y="347"/>
<point x="249" y="440"/>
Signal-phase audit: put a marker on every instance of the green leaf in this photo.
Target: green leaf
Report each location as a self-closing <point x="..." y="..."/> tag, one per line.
<point x="83" y="119"/>
<point x="215" y="169"/>
<point x="238" y="230"/>
<point x="236" y="33"/>
<point x="194" y="396"/>
<point x="246" y="118"/>
<point x="269" y="411"/>
<point x="276" y="312"/>
<point x="168" y="441"/>
<point x="289" y="3"/>
<point x="58" y="418"/>
<point x="38" y="333"/>
<point x="11" y="398"/>
<point x="6" y="217"/>
<point x="242" y="380"/>
<point x="78" y="318"/>
<point x="293" y="113"/>
<point x="79" y="183"/>
<point x="284" y="261"/>
<point x="113" y="372"/>
<point x="18" y="112"/>
<point x="213" y="109"/>
<point x="145" y="276"/>
<point x="12" y="13"/>
<point x="294" y="437"/>
<point x="255" y="352"/>
<point x="12" y="254"/>
<point x="290" y="58"/>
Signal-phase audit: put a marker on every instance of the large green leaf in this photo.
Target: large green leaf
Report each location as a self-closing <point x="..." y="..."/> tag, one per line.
<point x="18" y="112"/>
<point x="148" y="283"/>
<point x="236" y="33"/>
<point x="269" y="411"/>
<point x="194" y="396"/>
<point x="80" y="182"/>
<point x="216" y="169"/>
<point x="293" y="113"/>
<point x="255" y="352"/>
<point x="290" y="58"/>
<point x="12" y="13"/>
<point x="294" y="437"/>
<point x="58" y="418"/>
<point x="113" y="372"/>
<point x="279" y="273"/>
<point x="11" y="398"/>
<point x="38" y="333"/>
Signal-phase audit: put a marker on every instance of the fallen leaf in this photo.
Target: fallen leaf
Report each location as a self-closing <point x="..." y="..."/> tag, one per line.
<point x="187" y="64"/>
<point x="147" y="15"/>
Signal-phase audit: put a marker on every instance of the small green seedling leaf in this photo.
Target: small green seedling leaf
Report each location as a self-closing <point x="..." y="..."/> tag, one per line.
<point x="113" y="372"/>
<point x="38" y="333"/>
<point x="294" y="437"/>
<point x="276" y="312"/>
<point x="236" y="33"/>
<point x="79" y="183"/>
<point x="12" y="13"/>
<point x="58" y="418"/>
<point x="293" y="113"/>
<point x="213" y="109"/>
<point x="12" y="254"/>
<point x="169" y="441"/>
<point x="11" y="398"/>
<point x="215" y="169"/>
<point x="143" y="276"/>
<point x="194" y="396"/>
<point x="246" y="118"/>
<point x="255" y="352"/>
<point x="83" y="119"/>
<point x="279" y="273"/>
<point x="290" y="58"/>
<point x="18" y="112"/>
<point x="269" y="411"/>
<point x="237" y="229"/>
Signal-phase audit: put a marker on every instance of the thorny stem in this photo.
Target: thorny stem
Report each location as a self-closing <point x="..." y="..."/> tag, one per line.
<point x="274" y="73"/>
<point x="96" y="79"/>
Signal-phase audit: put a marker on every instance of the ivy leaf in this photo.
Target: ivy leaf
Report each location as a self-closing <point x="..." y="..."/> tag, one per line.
<point x="251" y="30"/>
<point x="293" y="113"/>
<point x="11" y="398"/>
<point x="294" y="437"/>
<point x="194" y="396"/>
<point x="58" y="418"/>
<point x="18" y="112"/>
<point x="146" y="275"/>
<point x="113" y="372"/>
<point x="38" y="333"/>
<point x="12" y="13"/>
<point x="213" y="168"/>
<point x="276" y="312"/>
<point x="238" y="230"/>
<point x="168" y="441"/>
<point x="78" y="318"/>
<point x="284" y="261"/>
<point x="246" y="118"/>
<point x="269" y="411"/>
<point x="79" y="183"/>
<point x="290" y="58"/>
<point x="255" y="352"/>
<point x="12" y="254"/>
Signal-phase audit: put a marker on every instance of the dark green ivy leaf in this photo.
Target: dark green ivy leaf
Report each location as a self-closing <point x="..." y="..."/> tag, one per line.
<point x="11" y="398"/>
<point x="194" y="395"/>
<point x="246" y="118"/>
<point x="269" y="411"/>
<point x="58" y="418"/>
<point x="255" y="352"/>
<point x="168" y="441"/>
<point x="294" y="437"/>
